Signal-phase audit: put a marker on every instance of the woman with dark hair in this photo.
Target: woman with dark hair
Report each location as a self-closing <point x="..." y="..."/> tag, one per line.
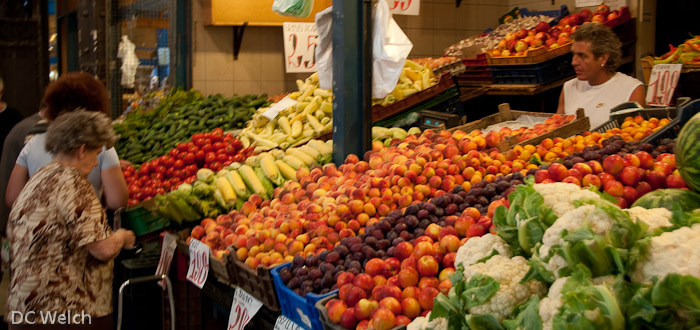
<point x="598" y="87"/>
<point x="61" y="246"/>
<point x="70" y="92"/>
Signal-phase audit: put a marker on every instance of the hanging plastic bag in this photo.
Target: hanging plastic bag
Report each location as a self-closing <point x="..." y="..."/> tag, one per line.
<point x="324" y="51"/>
<point x="296" y="8"/>
<point x="390" y="48"/>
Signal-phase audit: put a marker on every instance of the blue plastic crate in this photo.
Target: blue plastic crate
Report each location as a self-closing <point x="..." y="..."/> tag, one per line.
<point x="301" y="310"/>
<point x="541" y="73"/>
<point x="557" y="14"/>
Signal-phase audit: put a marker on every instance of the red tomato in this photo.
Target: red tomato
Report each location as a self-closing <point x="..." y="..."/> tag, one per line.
<point x="173" y="152"/>
<point x="207" y="147"/>
<point x="218" y="146"/>
<point x="199" y="142"/>
<point x="215" y="166"/>
<point x="159" y="175"/>
<point x="197" y="136"/>
<point x="130" y="168"/>
<point x="127" y="174"/>
<point x="208" y="140"/>
<point x="190" y="143"/>
<point x="190" y="179"/>
<point x="209" y="157"/>
<point x="166" y="185"/>
<point x="238" y="158"/>
<point x="167" y="161"/>
<point x="178" y="173"/>
<point x="199" y="155"/>
<point x="179" y="164"/>
<point x="182" y="146"/>
<point x="192" y="149"/>
<point x="218" y="132"/>
<point x="189" y="158"/>
<point x="160" y="170"/>
<point x="133" y="189"/>
<point x="170" y="172"/>
<point x="193" y="168"/>
<point x="147" y="191"/>
<point x="229" y="150"/>
<point x="155" y="163"/>
<point x="221" y="157"/>
<point x="138" y="196"/>
<point x="160" y="191"/>
<point x="145" y="168"/>
<point x="228" y="136"/>
<point x="237" y="144"/>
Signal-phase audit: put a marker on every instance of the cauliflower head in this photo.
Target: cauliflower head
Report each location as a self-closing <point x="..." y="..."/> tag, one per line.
<point x="423" y="323"/>
<point x="477" y="248"/>
<point x="559" y="196"/>
<point x="671" y="252"/>
<point x="508" y="272"/>
<point x="654" y="218"/>
<point x="597" y="219"/>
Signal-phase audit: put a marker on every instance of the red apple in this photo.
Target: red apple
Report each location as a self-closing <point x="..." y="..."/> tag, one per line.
<point x="629" y="176"/>
<point x="645" y="160"/>
<point x="557" y="172"/>
<point x="614" y="188"/>
<point x="347" y="319"/>
<point x="613" y="164"/>
<point x="643" y="188"/>
<point x="542" y="27"/>
<point x="675" y="181"/>
<point x="591" y="179"/>
<point x="657" y="179"/>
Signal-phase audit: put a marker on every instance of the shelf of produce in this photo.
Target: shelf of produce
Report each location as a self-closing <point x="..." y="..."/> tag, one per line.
<point x="524" y="89"/>
<point x="444" y="83"/>
<point x="257" y="282"/>
<point x="581" y="124"/>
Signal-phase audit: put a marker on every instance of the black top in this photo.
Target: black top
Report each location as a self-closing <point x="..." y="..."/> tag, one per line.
<point x="8" y="119"/>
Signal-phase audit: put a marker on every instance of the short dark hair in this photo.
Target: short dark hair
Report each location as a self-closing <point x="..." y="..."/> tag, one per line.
<point x="75" y="90"/>
<point x="603" y="41"/>
<point x="76" y="128"/>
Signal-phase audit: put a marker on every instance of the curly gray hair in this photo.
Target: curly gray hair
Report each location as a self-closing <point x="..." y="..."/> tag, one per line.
<point x="603" y="41"/>
<point x="72" y="130"/>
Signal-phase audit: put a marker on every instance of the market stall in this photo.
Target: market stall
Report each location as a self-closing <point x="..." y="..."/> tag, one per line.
<point x="519" y="219"/>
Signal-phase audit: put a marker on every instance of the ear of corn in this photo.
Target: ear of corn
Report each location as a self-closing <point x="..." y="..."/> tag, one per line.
<point x="251" y="180"/>
<point x="294" y="162"/>
<point x="304" y="157"/>
<point x="286" y="170"/>
<point x="269" y="168"/>
<point x="266" y="183"/>
<point x="226" y="189"/>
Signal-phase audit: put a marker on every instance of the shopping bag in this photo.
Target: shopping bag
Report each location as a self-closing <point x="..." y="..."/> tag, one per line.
<point x="296" y="8"/>
<point x="390" y="48"/>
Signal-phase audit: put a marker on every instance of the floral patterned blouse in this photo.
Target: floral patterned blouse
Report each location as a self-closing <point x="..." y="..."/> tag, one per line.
<point x="55" y="217"/>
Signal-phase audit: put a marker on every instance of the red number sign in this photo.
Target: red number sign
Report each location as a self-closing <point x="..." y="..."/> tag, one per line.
<point x="199" y="263"/>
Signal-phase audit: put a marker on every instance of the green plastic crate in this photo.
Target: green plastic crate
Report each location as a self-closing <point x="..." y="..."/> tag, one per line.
<point x="142" y="221"/>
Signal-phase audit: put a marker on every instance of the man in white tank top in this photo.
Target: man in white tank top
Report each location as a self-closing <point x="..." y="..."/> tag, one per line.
<point x="597" y="87"/>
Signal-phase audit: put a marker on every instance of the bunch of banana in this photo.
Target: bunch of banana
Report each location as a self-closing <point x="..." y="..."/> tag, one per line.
<point x="414" y="78"/>
<point x="310" y="117"/>
<point x="212" y="193"/>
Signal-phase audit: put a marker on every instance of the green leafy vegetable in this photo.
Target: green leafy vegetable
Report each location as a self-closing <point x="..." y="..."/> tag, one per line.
<point x="486" y="258"/>
<point x="526" y="316"/>
<point x="587" y="306"/>
<point x="524" y="223"/>
<point x="672" y="303"/>
<point x="462" y="296"/>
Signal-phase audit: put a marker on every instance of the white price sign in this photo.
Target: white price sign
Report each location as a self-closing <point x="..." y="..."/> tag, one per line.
<point x="404" y="7"/>
<point x="300" y="42"/>
<point x="662" y="83"/>
<point x="167" y="251"/>
<point x="283" y="323"/>
<point x="199" y="263"/>
<point x="243" y="308"/>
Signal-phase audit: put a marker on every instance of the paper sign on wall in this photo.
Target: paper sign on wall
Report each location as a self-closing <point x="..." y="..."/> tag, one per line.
<point x="404" y="7"/>
<point x="300" y="42"/>
<point x="243" y="308"/>
<point x="199" y="263"/>
<point x="662" y="83"/>
<point x="167" y="252"/>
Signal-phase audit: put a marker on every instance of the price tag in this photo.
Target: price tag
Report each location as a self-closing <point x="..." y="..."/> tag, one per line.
<point x="404" y="7"/>
<point x="662" y="83"/>
<point x="283" y="323"/>
<point x="588" y="3"/>
<point x="199" y="263"/>
<point x="300" y="42"/>
<point x="243" y="308"/>
<point x="284" y="103"/>
<point x="167" y="251"/>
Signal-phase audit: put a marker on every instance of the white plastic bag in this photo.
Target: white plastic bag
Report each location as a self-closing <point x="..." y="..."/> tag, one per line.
<point x="324" y="51"/>
<point x="390" y="48"/>
<point x="295" y="8"/>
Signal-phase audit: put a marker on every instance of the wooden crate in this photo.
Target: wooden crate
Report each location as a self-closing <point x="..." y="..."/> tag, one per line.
<point x="379" y="112"/>
<point x="505" y="113"/>
<point x="534" y="56"/>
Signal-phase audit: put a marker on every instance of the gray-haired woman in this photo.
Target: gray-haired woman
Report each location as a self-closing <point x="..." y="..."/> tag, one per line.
<point x="61" y="246"/>
<point x="598" y="87"/>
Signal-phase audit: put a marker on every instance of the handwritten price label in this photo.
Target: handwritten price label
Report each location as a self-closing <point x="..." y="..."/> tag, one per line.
<point x="300" y="42"/>
<point x="167" y="251"/>
<point x="243" y="308"/>
<point x="199" y="263"/>
<point x="283" y="323"/>
<point x="662" y="83"/>
<point x="404" y="7"/>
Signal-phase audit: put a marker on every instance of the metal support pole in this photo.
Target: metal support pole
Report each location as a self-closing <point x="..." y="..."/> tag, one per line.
<point x="352" y="78"/>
